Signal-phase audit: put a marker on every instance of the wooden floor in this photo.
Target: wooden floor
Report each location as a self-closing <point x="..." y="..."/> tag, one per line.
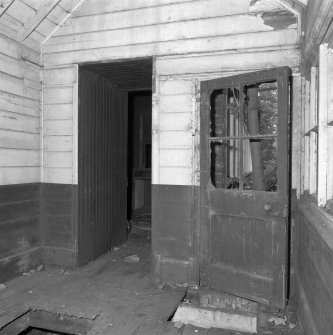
<point x="109" y="296"/>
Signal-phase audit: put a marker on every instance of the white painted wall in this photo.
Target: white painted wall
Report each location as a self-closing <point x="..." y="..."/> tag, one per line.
<point x="191" y="40"/>
<point x="59" y="116"/>
<point x="20" y="104"/>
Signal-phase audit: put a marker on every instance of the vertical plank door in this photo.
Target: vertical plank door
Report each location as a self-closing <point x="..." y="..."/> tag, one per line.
<point x="102" y="166"/>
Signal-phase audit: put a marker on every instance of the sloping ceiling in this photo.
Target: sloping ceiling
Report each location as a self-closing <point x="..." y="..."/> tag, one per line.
<point x="32" y="22"/>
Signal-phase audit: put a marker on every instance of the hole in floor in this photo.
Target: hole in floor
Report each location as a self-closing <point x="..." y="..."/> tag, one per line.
<point x="40" y="331"/>
<point x="38" y="322"/>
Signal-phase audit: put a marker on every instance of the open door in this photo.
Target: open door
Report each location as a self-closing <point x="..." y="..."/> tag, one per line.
<point x="245" y="185"/>
<point x="102" y="166"/>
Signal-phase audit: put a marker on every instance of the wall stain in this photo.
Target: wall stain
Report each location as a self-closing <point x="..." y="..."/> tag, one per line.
<point x="279" y="20"/>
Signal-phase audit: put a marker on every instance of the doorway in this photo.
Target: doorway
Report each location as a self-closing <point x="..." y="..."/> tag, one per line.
<point x="139" y="161"/>
<point x="114" y="152"/>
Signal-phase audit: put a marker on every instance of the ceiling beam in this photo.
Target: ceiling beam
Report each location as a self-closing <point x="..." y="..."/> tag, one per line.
<point x="69" y="15"/>
<point x="25" y="31"/>
<point x="4" y="6"/>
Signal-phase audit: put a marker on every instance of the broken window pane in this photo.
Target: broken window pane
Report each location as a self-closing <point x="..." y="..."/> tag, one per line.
<point x="225" y="112"/>
<point x="260" y="175"/>
<point x="244" y="137"/>
<point x="266" y="108"/>
<point x="229" y="157"/>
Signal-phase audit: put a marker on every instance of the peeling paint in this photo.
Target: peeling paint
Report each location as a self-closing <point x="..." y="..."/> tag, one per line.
<point x="258" y="21"/>
<point x="265" y="6"/>
<point x="279" y="20"/>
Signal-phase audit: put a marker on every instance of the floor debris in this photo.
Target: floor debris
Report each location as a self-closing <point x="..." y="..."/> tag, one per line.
<point x="2" y="286"/>
<point x="178" y="324"/>
<point x="132" y="258"/>
<point x="277" y="321"/>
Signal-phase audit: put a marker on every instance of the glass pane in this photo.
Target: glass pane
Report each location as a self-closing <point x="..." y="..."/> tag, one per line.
<point x="224" y="113"/>
<point x="256" y="158"/>
<point x="261" y="109"/>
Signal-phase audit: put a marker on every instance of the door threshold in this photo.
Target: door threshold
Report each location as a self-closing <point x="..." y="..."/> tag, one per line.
<point x="215" y="309"/>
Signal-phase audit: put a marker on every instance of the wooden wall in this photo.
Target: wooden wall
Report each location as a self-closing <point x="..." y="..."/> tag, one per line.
<point x="315" y="267"/>
<point x="20" y="103"/>
<point x="58" y="220"/>
<point x="190" y="40"/>
<point x="20" y="236"/>
<point x="60" y="125"/>
<point x="20" y="100"/>
<point x="314" y="226"/>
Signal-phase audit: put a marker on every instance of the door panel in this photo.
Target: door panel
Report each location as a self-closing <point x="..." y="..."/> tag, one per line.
<point x="245" y="185"/>
<point x="102" y="166"/>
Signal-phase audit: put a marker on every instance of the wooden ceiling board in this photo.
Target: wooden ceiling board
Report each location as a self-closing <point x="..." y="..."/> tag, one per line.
<point x="21" y="11"/>
<point x="37" y="4"/>
<point x="129" y="75"/>
<point x="31" y="20"/>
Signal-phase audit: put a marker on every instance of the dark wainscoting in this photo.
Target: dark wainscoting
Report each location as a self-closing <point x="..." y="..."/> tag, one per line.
<point x="59" y="224"/>
<point x="174" y="231"/>
<point x="20" y="236"/>
<point x="314" y="268"/>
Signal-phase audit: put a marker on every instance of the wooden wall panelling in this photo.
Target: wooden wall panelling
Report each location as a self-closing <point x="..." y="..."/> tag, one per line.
<point x="20" y="100"/>
<point x="59" y="122"/>
<point x="168" y="14"/>
<point x="20" y="238"/>
<point x="59" y="220"/>
<point x="186" y="27"/>
<point x="315" y="268"/>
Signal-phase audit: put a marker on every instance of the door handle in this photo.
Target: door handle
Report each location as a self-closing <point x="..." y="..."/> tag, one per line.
<point x="267" y="207"/>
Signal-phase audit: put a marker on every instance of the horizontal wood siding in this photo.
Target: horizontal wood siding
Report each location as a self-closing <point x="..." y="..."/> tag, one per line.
<point x="59" y="224"/>
<point x="20" y="236"/>
<point x="175" y="120"/>
<point x="20" y="101"/>
<point x="105" y="31"/>
<point x="59" y="148"/>
<point x="315" y="268"/>
<point x="190" y="39"/>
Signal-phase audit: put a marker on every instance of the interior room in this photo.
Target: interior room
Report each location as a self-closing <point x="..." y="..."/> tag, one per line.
<point x="166" y="167"/>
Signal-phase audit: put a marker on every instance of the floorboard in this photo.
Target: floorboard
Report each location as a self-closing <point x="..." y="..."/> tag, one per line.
<point x="116" y="296"/>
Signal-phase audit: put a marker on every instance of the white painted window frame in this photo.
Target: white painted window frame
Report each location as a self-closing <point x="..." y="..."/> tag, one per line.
<point x="317" y="129"/>
<point x="325" y="125"/>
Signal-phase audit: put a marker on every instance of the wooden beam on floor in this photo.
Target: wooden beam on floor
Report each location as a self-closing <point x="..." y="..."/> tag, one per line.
<point x="16" y="326"/>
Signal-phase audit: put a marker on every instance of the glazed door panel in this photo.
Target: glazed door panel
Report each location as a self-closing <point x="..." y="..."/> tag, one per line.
<point x="245" y="185"/>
